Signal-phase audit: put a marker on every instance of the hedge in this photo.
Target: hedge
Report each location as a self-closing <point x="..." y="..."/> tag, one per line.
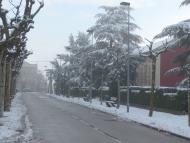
<point x="176" y="103"/>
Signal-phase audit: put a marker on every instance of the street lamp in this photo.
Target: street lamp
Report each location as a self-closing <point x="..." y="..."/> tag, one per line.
<point x="128" y="44"/>
<point x="125" y="3"/>
<point x="90" y="31"/>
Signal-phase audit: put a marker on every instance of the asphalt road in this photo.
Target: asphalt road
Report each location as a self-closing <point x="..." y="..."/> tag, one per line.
<point x="55" y="121"/>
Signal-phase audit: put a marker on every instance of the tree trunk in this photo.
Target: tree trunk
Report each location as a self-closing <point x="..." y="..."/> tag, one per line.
<point x="50" y="84"/>
<point x="152" y="95"/>
<point x="2" y="82"/>
<point x="118" y="94"/>
<point x="7" y="99"/>
<point x="1" y="86"/>
<point x="13" y="86"/>
<point x="189" y="101"/>
<point x="13" y="79"/>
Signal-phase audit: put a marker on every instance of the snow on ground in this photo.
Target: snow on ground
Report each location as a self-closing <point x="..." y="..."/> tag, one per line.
<point x="176" y="124"/>
<point x="12" y="125"/>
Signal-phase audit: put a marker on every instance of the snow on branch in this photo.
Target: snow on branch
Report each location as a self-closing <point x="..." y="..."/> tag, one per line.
<point x="178" y="70"/>
<point x="175" y="30"/>
<point x="185" y="2"/>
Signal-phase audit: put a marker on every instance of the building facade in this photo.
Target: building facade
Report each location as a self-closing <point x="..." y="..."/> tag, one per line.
<point x="163" y="64"/>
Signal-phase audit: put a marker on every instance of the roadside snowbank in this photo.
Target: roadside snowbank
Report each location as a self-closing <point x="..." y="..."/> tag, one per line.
<point x="175" y="124"/>
<point x="15" y="124"/>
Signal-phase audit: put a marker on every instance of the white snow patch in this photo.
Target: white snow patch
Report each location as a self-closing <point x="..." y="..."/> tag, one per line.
<point x="177" y="124"/>
<point x="28" y="134"/>
<point x="12" y="122"/>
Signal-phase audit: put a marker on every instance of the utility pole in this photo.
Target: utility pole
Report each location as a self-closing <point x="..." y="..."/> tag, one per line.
<point x="59" y="80"/>
<point x="91" y="76"/>
<point x="101" y="94"/>
<point x="90" y="31"/>
<point x="69" y="87"/>
<point x="118" y="82"/>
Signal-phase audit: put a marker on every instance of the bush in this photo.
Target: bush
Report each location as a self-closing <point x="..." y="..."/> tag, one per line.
<point x="172" y="102"/>
<point x="169" y="103"/>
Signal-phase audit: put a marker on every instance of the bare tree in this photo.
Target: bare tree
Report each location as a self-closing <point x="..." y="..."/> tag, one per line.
<point x="153" y="55"/>
<point x="13" y="40"/>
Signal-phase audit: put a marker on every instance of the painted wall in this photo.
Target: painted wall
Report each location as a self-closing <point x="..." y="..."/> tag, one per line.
<point x="144" y="73"/>
<point x="166" y="63"/>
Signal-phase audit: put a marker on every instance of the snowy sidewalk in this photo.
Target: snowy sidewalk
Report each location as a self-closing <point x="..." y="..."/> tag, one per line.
<point x="175" y="124"/>
<point x="14" y="125"/>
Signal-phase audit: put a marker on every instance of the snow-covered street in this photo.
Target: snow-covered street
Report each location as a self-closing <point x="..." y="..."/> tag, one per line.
<point x="15" y="125"/>
<point x="94" y="71"/>
<point x="175" y="124"/>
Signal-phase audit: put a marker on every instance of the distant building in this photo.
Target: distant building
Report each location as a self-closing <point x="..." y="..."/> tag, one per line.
<point x="30" y="78"/>
<point x="164" y="63"/>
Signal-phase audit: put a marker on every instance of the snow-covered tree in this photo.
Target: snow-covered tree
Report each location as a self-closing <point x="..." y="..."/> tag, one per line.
<point x="80" y="61"/>
<point x="180" y="33"/>
<point x="111" y="28"/>
<point x="104" y="61"/>
<point x="111" y="34"/>
<point x="74" y="68"/>
<point x="185" y="2"/>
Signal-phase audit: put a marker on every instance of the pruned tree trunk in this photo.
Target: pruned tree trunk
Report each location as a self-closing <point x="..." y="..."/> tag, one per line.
<point x="189" y="102"/>
<point x="7" y="99"/>
<point x="1" y="86"/>
<point x="153" y="56"/>
<point x="2" y="82"/>
<point x="152" y="95"/>
<point x="13" y="79"/>
<point x="13" y="86"/>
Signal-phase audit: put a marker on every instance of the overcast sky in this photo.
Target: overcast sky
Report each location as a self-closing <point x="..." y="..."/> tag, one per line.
<point x="60" y="18"/>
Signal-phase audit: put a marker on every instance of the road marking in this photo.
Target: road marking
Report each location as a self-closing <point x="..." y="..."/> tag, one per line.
<point x="42" y="97"/>
<point x="96" y="129"/>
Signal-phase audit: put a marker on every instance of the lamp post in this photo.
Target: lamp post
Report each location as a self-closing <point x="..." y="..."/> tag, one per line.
<point x="101" y="94"/>
<point x="128" y="45"/>
<point x="90" y="31"/>
<point x="69" y="83"/>
<point x="50" y="81"/>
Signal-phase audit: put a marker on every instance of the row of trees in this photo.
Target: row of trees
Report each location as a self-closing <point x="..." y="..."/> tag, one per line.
<point x="103" y="63"/>
<point x="17" y="19"/>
